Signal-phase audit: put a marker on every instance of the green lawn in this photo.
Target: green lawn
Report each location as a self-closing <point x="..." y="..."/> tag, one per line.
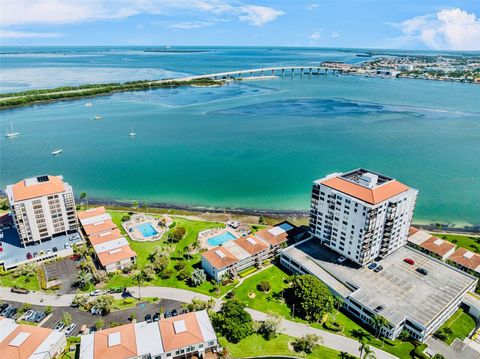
<point x="469" y="242"/>
<point x="144" y="249"/>
<point x="255" y="345"/>
<point x="8" y="280"/>
<point x="273" y="301"/>
<point x="461" y="323"/>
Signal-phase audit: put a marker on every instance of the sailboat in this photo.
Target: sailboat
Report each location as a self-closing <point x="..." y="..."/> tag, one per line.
<point x="57" y="152"/>
<point x="11" y="133"/>
<point x="132" y="133"/>
<point x="89" y="104"/>
<point x="97" y="117"/>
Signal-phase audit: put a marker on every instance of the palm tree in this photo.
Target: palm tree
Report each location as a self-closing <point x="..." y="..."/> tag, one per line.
<point x="363" y="348"/>
<point x="379" y="322"/>
<point x="83" y="196"/>
<point x="367" y="352"/>
<point x="361" y="335"/>
<point x="139" y="279"/>
<point x="135" y="204"/>
<point x="83" y="278"/>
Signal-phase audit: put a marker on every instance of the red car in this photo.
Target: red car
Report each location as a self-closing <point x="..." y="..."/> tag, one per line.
<point x="409" y="261"/>
<point x="29" y="255"/>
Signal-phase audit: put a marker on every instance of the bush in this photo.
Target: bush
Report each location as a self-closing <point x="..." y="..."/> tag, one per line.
<point x="128" y="301"/>
<point x="180" y="266"/>
<point x="183" y="275"/>
<point x="177" y="234"/>
<point x="125" y="218"/>
<point x="172" y="225"/>
<point x="166" y="274"/>
<point x="264" y="286"/>
<point x="247" y="271"/>
<point x="306" y="343"/>
<point x="333" y="326"/>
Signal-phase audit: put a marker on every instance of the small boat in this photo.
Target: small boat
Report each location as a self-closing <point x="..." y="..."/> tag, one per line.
<point x="132" y="134"/>
<point x="88" y="104"/>
<point x="97" y="117"/>
<point x="11" y="133"/>
<point x="57" y="152"/>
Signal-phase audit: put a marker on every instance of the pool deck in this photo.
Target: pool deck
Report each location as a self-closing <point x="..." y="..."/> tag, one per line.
<point x="131" y="227"/>
<point x="207" y="234"/>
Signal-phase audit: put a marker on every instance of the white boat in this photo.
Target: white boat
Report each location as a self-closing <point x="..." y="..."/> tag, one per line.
<point x="89" y="104"/>
<point x="97" y="117"/>
<point x="11" y="133"/>
<point x="132" y="134"/>
<point x="56" y="152"/>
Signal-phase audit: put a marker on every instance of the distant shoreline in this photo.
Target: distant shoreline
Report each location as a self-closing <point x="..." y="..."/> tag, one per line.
<point x="270" y="213"/>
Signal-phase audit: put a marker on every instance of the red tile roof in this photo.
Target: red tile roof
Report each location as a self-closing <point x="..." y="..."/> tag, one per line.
<point x="92" y="212"/>
<point x="466" y="259"/>
<point x="217" y="261"/>
<point x="437" y="246"/>
<point x="103" y="237"/>
<point x="127" y="348"/>
<point x="23" y="192"/>
<point x="274" y="240"/>
<point x="116" y="255"/>
<point x="251" y="244"/>
<point x="99" y="227"/>
<point x="172" y="340"/>
<point x="36" y="336"/>
<point x="370" y="195"/>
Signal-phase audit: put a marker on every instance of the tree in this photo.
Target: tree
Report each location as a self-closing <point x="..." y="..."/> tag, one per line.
<point x="378" y="323"/>
<point x="99" y="324"/>
<point x="160" y="263"/>
<point x="48" y="310"/>
<point x="270" y="326"/>
<point x="345" y="355"/>
<point x="404" y="335"/>
<point x="125" y="218"/>
<point x="199" y="304"/>
<point x="79" y="301"/>
<point x="306" y="344"/>
<point x="67" y="318"/>
<point x="149" y="272"/>
<point x="233" y="321"/>
<point x="361" y="335"/>
<point x="264" y="286"/>
<point x="366" y="350"/>
<point x="135" y="204"/>
<point x="198" y="277"/>
<point x="84" y="197"/>
<point x="101" y="276"/>
<point x="104" y="303"/>
<point x="438" y="356"/>
<point x="311" y="298"/>
<point x="139" y="279"/>
<point x="26" y="270"/>
<point x="83" y="279"/>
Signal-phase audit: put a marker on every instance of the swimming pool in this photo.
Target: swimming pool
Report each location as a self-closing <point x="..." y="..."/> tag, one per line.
<point x="220" y="239"/>
<point x="147" y="230"/>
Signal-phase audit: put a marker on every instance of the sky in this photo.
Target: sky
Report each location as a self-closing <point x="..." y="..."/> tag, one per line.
<point x="399" y="24"/>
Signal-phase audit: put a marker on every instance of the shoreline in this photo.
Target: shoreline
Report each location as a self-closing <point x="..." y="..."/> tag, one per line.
<point x="298" y="216"/>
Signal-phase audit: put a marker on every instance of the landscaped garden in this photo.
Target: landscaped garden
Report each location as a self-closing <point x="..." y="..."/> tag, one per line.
<point x="251" y="294"/>
<point x="459" y="325"/>
<point x="471" y="243"/>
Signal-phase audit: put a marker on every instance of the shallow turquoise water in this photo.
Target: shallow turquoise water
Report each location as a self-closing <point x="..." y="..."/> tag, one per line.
<point x="146" y="229"/>
<point x="257" y="144"/>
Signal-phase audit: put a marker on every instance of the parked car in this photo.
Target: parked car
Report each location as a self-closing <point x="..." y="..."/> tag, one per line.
<point x="66" y="245"/>
<point x="422" y="270"/>
<point x="378" y="269"/>
<point x="3" y="306"/>
<point x="148" y="318"/>
<point x="341" y="259"/>
<point x="49" y="251"/>
<point x="95" y="292"/>
<point x="174" y="313"/>
<point x="35" y="254"/>
<point x="409" y="261"/>
<point x="59" y="326"/>
<point x="372" y="265"/>
<point x="96" y="311"/>
<point x="29" y="255"/>
<point x="156" y="317"/>
<point x="70" y="329"/>
<point x="39" y="316"/>
<point x="167" y="314"/>
<point x="11" y="311"/>
<point x="28" y="315"/>
<point x="55" y="249"/>
<point x="5" y="310"/>
<point x="75" y="257"/>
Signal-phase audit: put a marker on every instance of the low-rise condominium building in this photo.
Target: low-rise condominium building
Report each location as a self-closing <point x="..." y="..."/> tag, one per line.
<point x="425" y="242"/>
<point x="236" y="255"/>
<point x="42" y="207"/>
<point x="111" y="248"/>
<point x="22" y="341"/>
<point x="185" y="336"/>
<point x="361" y="214"/>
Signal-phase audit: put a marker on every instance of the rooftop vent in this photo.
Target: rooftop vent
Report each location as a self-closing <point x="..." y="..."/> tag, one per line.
<point x="19" y="339"/>
<point x="251" y="241"/>
<point x="114" y="339"/>
<point x="468" y="254"/>
<point x="113" y="251"/>
<point x="105" y="234"/>
<point x="179" y="326"/>
<point x="438" y="242"/>
<point x="41" y="179"/>
<point x="98" y="223"/>
<point x="368" y="179"/>
<point x="220" y="253"/>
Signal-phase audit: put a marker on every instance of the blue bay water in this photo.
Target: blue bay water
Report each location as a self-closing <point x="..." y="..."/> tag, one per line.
<point x="247" y="144"/>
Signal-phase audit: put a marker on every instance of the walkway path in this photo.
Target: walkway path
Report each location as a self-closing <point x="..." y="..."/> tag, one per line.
<point x="288" y="327"/>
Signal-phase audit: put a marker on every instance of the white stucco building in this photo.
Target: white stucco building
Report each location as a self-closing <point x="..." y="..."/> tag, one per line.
<point x="42" y="207"/>
<point x="361" y="214"/>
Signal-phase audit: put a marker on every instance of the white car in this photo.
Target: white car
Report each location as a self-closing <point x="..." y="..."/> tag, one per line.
<point x="66" y="245"/>
<point x="70" y="329"/>
<point x="48" y="251"/>
<point x="95" y="292"/>
<point x="341" y="259"/>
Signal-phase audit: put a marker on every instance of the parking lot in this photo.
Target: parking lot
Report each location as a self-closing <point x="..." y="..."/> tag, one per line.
<point x="81" y="318"/>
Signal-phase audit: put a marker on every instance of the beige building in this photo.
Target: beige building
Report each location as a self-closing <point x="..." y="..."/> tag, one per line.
<point x="42" y="207"/>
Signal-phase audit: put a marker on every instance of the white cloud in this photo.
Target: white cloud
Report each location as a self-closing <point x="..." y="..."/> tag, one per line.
<point x="7" y="34"/>
<point x="259" y="15"/>
<point x="316" y="35"/>
<point x="26" y="12"/>
<point x="311" y="6"/>
<point x="448" y="29"/>
<point x="334" y="34"/>
<point x="188" y="25"/>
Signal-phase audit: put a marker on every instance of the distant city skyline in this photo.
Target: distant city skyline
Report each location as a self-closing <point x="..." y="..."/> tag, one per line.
<point x="422" y="25"/>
